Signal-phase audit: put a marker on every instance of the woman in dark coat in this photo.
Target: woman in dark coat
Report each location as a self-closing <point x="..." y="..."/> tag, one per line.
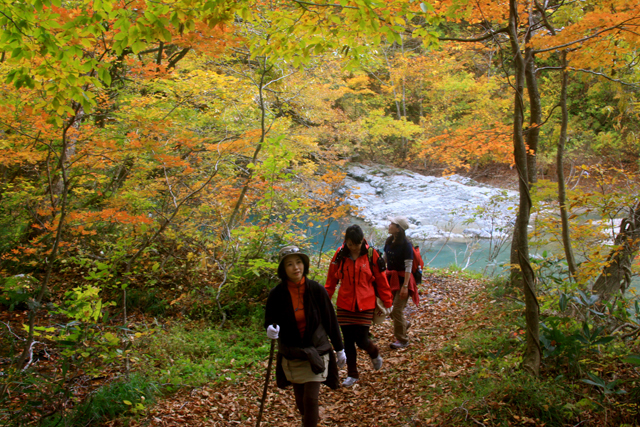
<point x="398" y="253"/>
<point x="299" y="314"/>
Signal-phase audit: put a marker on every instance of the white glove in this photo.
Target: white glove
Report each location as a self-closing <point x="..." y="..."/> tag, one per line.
<point x="273" y="332"/>
<point x="342" y="359"/>
<point x="388" y="310"/>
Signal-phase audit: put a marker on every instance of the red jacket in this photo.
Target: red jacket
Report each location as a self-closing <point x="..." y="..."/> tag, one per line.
<point x="358" y="284"/>
<point x="395" y="278"/>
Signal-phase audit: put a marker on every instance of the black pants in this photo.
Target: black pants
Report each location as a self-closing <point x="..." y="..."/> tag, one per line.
<point x="352" y="335"/>
<point x="307" y="402"/>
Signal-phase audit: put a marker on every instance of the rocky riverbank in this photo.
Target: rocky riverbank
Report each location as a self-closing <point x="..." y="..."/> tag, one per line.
<point x="452" y="207"/>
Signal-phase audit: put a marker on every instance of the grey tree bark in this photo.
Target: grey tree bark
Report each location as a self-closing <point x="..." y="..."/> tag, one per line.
<point x="263" y="133"/>
<point x="532" y="135"/>
<point x="59" y="202"/>
<point x="562" y="194"/>
<point x="532" y="355"/>
<point x="616" y="276"/>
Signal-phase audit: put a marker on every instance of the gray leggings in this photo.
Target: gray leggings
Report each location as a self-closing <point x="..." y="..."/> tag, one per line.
<point x="307" y="402"/>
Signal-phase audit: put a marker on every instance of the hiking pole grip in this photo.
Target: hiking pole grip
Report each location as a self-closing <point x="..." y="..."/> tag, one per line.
<point x="266" y="381"/>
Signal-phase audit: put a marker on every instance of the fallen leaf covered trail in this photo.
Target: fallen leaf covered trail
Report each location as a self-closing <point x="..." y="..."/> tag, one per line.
<point x="392" y="396"/>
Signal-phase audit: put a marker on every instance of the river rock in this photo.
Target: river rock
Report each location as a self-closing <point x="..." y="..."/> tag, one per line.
<point x="437" y="207"/>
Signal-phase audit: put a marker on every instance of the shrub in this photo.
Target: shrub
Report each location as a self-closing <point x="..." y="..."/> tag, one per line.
<point x="194" y="355"/>
<point x="109" y="402"/>
<point x="17" y="290"/>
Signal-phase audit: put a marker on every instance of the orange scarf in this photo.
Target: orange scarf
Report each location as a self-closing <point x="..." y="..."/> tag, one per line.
<point x="296" y="290"/>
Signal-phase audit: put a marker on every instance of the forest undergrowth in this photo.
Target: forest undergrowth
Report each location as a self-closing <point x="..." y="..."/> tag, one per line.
<point x="462" y="368"/>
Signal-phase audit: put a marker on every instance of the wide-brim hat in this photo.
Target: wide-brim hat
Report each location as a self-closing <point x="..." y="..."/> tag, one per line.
<point x="401" y="221"/>
<point x="292" y="250"/>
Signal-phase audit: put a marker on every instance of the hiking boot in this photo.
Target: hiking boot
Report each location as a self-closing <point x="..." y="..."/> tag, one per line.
<point x="377" y="363"/>
<point x="349" y="382"/>
<point x="396" y="345"/>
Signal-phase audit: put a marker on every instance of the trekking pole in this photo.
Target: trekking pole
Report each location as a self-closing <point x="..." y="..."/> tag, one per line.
<point x="266" y="382"/>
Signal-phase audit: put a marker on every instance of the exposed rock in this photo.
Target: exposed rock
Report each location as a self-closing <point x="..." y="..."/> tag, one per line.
<point x="437" y="207"/>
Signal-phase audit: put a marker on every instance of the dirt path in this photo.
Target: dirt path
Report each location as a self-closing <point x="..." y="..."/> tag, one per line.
<point x="394" y="396"/>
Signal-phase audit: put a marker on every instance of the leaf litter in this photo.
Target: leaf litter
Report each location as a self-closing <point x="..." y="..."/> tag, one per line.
<point x="396" y="395"/>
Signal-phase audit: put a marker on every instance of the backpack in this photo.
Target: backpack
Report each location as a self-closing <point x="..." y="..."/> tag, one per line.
<point x="382" y="266"/>
<point x="416" y="269"/>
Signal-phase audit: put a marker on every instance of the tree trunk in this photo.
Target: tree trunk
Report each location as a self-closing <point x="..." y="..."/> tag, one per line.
<point x="564" y="215"/>
<point x="535" y="120"/>
<point x="50" y="259"/>
<point x="254" y="159"/>
<point x="532" y="137"/>
<point x="401" y="108"/>
<point x="616" y="275"/>
<point x="532" y="355"/>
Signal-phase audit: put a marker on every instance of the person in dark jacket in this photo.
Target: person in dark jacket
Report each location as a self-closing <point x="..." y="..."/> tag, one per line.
<point x="398" y="253"/>
<point x="360" y="281"/>
<point x="299" y="314"/>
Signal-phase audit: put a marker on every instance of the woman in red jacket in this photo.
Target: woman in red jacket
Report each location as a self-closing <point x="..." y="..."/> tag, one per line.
<point x="360" y="280"/>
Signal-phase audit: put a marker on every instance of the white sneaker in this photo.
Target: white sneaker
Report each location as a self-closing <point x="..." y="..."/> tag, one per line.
<point x="349" y="382"/>
<point x="377" y="363"/>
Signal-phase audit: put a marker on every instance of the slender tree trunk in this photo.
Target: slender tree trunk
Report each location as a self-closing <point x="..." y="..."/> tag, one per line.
<point x="564" y="215"/>
<point x="532" y="137"/>
<point x="324" y="239"/>
<point x="532" y="355"/>
<point x="144" y="245"/>
<point x="53" y="254"/>
<point x="254" y="159"/>
<point x="401" y="107"/>
<point x="535" y="119"/>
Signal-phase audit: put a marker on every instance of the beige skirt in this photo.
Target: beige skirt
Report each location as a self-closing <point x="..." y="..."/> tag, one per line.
<point x="299" y="371"/>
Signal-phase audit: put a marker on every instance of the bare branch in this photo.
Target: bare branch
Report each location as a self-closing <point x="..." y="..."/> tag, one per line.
<point x="15" y="25"/>
<point x="170" y="187"/>
<point x="12" y="333"/>
<point x="597" y="34"/>
<point x="595" y="73"/>
<point x="622" y="82"/>
<point x="477" y="39"/>
<point x="279" y="78"/>
<point x="549" y="68"/>
<point x="324" y="5"/>
<point x="30" y="354"/>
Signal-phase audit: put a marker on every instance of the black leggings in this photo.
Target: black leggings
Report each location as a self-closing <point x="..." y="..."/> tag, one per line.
<point x="307" y="402"/>
<point x="357" y="334"/>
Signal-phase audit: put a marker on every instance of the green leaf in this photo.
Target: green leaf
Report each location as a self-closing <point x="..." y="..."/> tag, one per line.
<point x="122" y="35"/>
<point x="603" y="340"/>
<point x="138" y="46"/>
<point x="102" y="266"/>
<point x="596" y="380"/>
<point x="105" y="76"/>
<point x="17" y="53"/>
<point x="634" y="359"/>
<point x="564" y="300"/>
<point x="592" y="383"/>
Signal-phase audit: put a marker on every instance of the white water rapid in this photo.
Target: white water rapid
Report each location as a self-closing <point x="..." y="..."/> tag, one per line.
<point x="438" y="208"/>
